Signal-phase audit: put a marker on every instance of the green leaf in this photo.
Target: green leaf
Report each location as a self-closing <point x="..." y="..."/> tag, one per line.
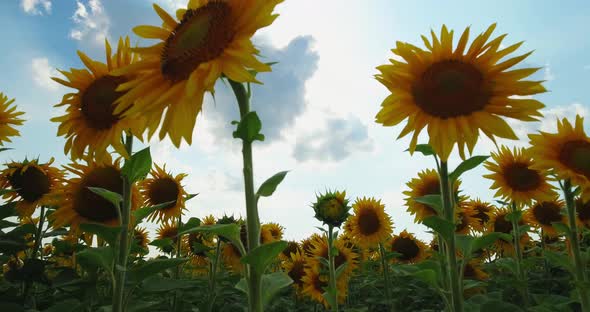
<point x="242" y="286"/>
<point x="190" y="196"/>
<point x="498" y="305"/>
<point x="260" y="257"/>
<point x="92" y="258"/>
<point x="272" y="283"/>
<point x="441" y="226"/>
<point x="425" y="149"/>
<point x="269" y="186"/>
<point x="68" y="305"/>
<point x="152" y="267"/>
<point x="428" y="276"/>
<point x="485" y="241"/>
<point x="434" y="201"/>
<point x="109" y="233"/>
<point x="249" y="128"/>
<point x="191" y="223"/>
<point x="5" y="191"/>
<point x="162" y="284"/>
<point x="112" y="197"/>
<point x="340" y="269"/>
<point x="138" y="166"/>
<point x="5" y="224"/>
<point x="228" y="231"/>
<point x="142" y="213"/>
<point x="466" y="166"/>
<point x="514" y="216"/>
<point x="7" y="210"/>
<point x="465" y="244"/>
<point x="5" y="149"/>
<point x="559" y="259"/>
<point x="562" y="228"/>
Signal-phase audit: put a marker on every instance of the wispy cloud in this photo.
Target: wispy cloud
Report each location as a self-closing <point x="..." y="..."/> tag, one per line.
<point x="42" y="73"/>
<point x="36" y="7"/>
<point x="91" y="21"/>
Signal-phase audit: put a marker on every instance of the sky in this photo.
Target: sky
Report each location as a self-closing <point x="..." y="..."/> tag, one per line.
<point x="317" y="106"/>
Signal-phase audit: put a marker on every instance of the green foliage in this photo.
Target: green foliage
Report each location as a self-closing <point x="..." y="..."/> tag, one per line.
<point x="270" y="185"/>
<point x="138" y="166"/>
<point x="114" y="198"/>
<point x="248" y="129"/>
<point x="465" y="166"/>
<point x="441" y="226"/>
<point x="109" y="233"/>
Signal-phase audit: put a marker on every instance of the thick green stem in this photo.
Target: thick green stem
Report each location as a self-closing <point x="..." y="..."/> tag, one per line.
<point x="123" y="240"/>
<point x="454" y="279"/>
<point x="38" y="235"/>
<point x="213" y="276"/>
<point x="579" y="266"/>
<point x="252" y="220"/>
<point x="177" y="271"/>
<point x="332" y="268"/>
<point x="518" y="255"/>
<point x="385" y="268"/>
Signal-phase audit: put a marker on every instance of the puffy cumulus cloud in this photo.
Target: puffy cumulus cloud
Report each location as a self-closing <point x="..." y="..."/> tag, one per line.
<point x="36" y="7"/>
<point x="42" y="73"/>
<point x="90" y="21"/>
<point x="279" y="100"/>
<point x="340" y="138"/>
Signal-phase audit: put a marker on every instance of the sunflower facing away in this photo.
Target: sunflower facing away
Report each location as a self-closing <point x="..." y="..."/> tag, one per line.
<point x="78" y="204"/>
<point x="411" y="250"/>
<point x="427" y="183"/>
<point x="9" y="118"/>
<point x="34" y="184"/>
<point x="543" y="213"/>
<point x="481" y="212"/>
<point x="140" y="235"/>
<point x="456" y="94"/>
<point x="161" y="188"/>
<point x="464" y="220"/>
<point x="369" y="224"/>
<point x="583" y="212"/>
<point x="91" y="124"/>
<point x="316" y="282"/>
<point x="499" y="223"/>
<point x="196" y="245"/>
<point x="208" y="39"/>
<point x="515" y="179"/>
<point x="345" y="256"/>
<point x="566" y="152"/>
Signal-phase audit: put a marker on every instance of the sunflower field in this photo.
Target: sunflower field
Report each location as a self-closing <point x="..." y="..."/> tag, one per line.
<point x="74" y="237"/>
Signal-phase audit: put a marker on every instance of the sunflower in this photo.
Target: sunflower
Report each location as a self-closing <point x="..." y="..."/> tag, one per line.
<point x="369" y="225"/>
<point x="543" y="213"/>
<point x="34" y="184"/>
<point x="294" y="266"/>
<point x="208" y="220"/>
<point x="411" y="250"/>
<point x="161" y="188"/>
<point x="140" y="235"/>
<point x="315" y="284"/>
<point x="566" y="152"/>
<point x="464" y="220"/>
<point x="8" y="119"/>
<point x="307" y="243"/>
<point x="78" y="204"/>
<point x="231" y="258"/>
<point x="473" y="271"/>
<point x="271" y="232"/>
<point x="292" y="247"/>
<point x="427" y="183"/>
<point x="331" y="208"/>
<point x="481" y="213"/>
<point x="208" y="39"/>
<point x="499" y="223"/>
<point x="583" y="212"/>
<point x="345" y="256"/>
<point x="515" y="179"/>
<point x="196" y="246"/>
<point x="91" y="124"/>
<point x="456" y="94"/>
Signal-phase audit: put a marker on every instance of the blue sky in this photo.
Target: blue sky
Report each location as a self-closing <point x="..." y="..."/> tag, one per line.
<point x="317" y="106"/>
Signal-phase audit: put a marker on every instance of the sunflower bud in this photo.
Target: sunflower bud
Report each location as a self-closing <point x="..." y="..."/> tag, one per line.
<point x="332" y="208"/>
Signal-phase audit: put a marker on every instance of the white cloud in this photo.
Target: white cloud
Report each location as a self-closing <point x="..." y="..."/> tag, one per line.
<point x="36" y="7"/>
<point x="42" y="73"/>
<point x="91" y="21"/>
<point x="548" y="74"/>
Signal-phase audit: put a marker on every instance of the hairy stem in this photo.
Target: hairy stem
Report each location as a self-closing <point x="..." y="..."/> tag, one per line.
<point x="331" y="268"/>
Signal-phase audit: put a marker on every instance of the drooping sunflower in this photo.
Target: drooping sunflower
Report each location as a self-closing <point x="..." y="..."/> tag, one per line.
<point x="78" y="204"/>
<point x="412" y="250"/>
<point x="294" y="266"/>
<point x="231" y="256"/>
<point x="427" y="183"/>
<point x="319" y="249"/>
<point x="161" y="188"/>
<point x="456" y="94"/>
<point x="9" y="118"/>
<point x="369" y="224"/>
<point x="35" y="184"/>
<point x="315" y="284"/>
<point x="464" y="220"/>
<point x="292" y="247"/>
<point x="583" y="212"/>
<point x="566" y="153"/>
<point x="91" y="123"/>
<point x="515" y="179"/>
<point x="543" y="213"/>
<point x="196" y="245"/>
<point x="482" y="212"/>
<point x="307" y="243"/>
<point x="473" y="271"/>
<point x="499" y="223"/>
<point x="208" y="39"/>
<point x="271" y="232"/>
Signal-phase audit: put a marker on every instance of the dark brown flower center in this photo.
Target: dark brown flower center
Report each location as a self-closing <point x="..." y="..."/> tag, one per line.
<point x="292" y="247"/>
<point x="547" y="212"/>
<point x="482" y="214"/>
<point x="202" y="35"/>
<point x="450" y="89"/>
<point x="164" y="190"/>
<point x="368" y="222"/>
<point x="430" y="187"/>
<point x="520" y="177"/>
<point x="502" y="225"/>
<point x="297" y="271"/>
<point x="576" y="156"/>
<point x="406" y="246"/>
<point x="30" y="184"/>
<point x="307" y="247"/>
<point x="583" y="210"/>
<point x="93" y="206"/>
<point x="98" y="102"/>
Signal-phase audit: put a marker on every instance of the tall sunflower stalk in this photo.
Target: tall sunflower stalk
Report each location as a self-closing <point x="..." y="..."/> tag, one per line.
<point x="252" y="220"/>
<point x="521" y="274"/>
